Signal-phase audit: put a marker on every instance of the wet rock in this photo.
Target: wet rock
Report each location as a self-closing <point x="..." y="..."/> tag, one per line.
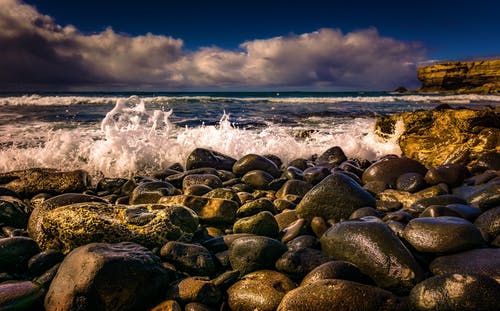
<point x="332" y="157"/>
<point x="223" y="193"/>
<point x="68" y="227"/>
<point x="450" y="174"/>
<point x="275" y="159"/>
<point x="28" y="183"/>
<point x="340" y="295"/>
<point x="259" y="290"/>
<point x="252" y="253"/>
<point x="282" y="204"/>
<point x="375" y="250"/>
<point x="252" y="162"/>
<point x="177" y="179"/>
<point x="196" y="306"/>
<point x="200" y="157"/>
<point x="314" y="175"/>
<point x="195" y="289"/>
<point x="167" y="305"/>
<point x="401" y="216"/>
<point x="297" y="228"/>
<point x="336" y="269"/>
<point x="46" y="278"/>
<point x="151" y="192"/>
<point x="217" y="212"/>
<point x="444" y="199"/>
<point x="13" y="212"/>
<point x="484" y="261"/>
<point x="489" y="223"/>
<point x="351" y="167"/>
<point x="318" y="226"/>
<point x="295" y="187"/>
<point x="210" y="180"/>
<point x="15" y="253"/>
<point x="300" y="163"/>
<point x="191" y="258"/>
<point x="336" y="197"/>
<point x="257" y="179"/>
<point x="4" y="192"/>
<point x="411" y="182"/>
<point x="111" y="185"/>
<point x="486" y="196"/>
<point x="293" y="173"/>
<point x="255" y="207"/>
<point x="43" y="261"/>
<point x="389" y="169"/>
<point x="487" y="161"/>
<point x="222" y="243"/>
<point x="99" y="276"/>
<point x="298" y="263"/>
<point x="21" y="295"/>
<point x="456" y="292"/>
<point x="197" y="190"/>
<point x="458" y="210"/>
<point x="303" y="241"/>
<point x="443" y="234"/>
<point x="286" y="218"/>
<point x="375" y="187"/>
<point x="262" y="223"/>
<point x="366" y="211"/>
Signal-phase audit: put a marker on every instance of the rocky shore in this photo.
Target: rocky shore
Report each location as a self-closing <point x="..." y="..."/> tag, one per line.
<point x="417" y="232"/>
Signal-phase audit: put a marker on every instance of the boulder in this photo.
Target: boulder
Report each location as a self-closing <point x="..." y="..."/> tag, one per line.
<point x="21" y="295"/>
<point x="262" y="223"/>
<point x="100" y="276"/>
<point x="13" y="212"/>
<point x="298" y="263"/>
<point x="489" y="223"/>
<point x="332" y="157"/>
<point x="213" y="181"/>
<point x="336" y="269"/>
<point x="191" y="258"/>
<point x="151" y="192"/>
<point x="252" y="162"/>
<point x="336" y="197"/>
<point x="257" y="179"/>
<point x="388" y="170"/>
<point x="195" y="289"/>
<point x="15" y="253"/>
<point x="252" y="253"/>
<point x="201" y="157"/>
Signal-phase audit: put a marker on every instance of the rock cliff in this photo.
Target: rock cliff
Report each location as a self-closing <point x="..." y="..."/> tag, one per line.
<point x="481" y="77"/>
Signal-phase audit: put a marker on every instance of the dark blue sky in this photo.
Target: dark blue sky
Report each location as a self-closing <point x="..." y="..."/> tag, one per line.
<point x="449" y="30"/>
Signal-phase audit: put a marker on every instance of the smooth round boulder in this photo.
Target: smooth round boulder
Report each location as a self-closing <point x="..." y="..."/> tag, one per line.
<point x="336" y="269"/>
<point x="451" y="174"/>
<point x="21" y="295"/>
<point x="335" y="197"/>
<point x="295" y="187"/>
<point x="197" y="190"/>
<point x="340" y="295"/>
<point x="388" y="170"/>
<point x="445" y="234"/>
<point x="303" y="241"/>
<point x="258" y="179"/>
<point x="223" y="193"/>
<point x="262" y="223"/>
<point x="15" y="253"/>
<point x="484" y="261"/>
<point x="489" y="223"/>
<point x="411" y="182"/>
<point x="252" y="162"/>
<point x="256" y="206"/>
<point x="151" y="192"/>
<point x="252" y="253"/>
<point x="194" y="259"/>
<point x="376" y="251"/>
<point x="260" y="290"/>
<point x="315" y="174"/>
<point x="194" y="289"/>
<point x="456" y="292"/>
<point x="293" y="173"/>
<point x="43" y="261"/>
<point x="13" y="212"/>
<point x="487" y="161"/>
<point x="100" y="276"/>
<point x="333" y="156"/>
<point x="298" y="263"/>
<point x="210" y="180"/>
<point x="201" y="157"/>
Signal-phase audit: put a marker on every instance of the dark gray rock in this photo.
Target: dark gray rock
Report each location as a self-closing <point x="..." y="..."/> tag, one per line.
<point x="43" y="261"/>
<point x="197" y="190"/>
<point x="295" y="187"/>
<point x="451" y="174"/>
<point x="487" y="161"/>
<point x="151" y="192"/>
<point x="315" y="174"/>
<point x="340" y="295"/>
<point x="21" y="295"/>
<point x="252" y="162"/>
<point x="333" y="157"/>
<point x="376" y="251"/>
<point x="336" y="269"/>
<point x="15" y="253"/>
<point x="201" y="157"/>
<point x="484" y="261"/>
<point x="13" y="212"/>
<point x="486" y="196"/>
<point x="194" y="259"/>
<point x="213" y="181"/>
<point x="389" y="169"/>
<point x="260" y="290"/>
<point x="303" y="241"/>
<point x="456" y="292"/>
<point x="411" y="182"/>
<point x="298" y="263"/>
<point x="336" y="197"/>
<point x="252" y="253"/>
<point x="258" y="179"/>
<point x="444" y="234"/>
<point x="489" y="223"/>
<point x="98" y="276"/>
<point x="293" y="173"/>
<point x="223" y="193"/>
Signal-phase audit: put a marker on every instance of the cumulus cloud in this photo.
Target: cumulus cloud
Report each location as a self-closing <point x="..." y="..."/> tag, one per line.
<point x="39" y="53"/>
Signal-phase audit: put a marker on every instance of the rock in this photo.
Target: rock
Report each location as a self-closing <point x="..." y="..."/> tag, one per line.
<point x="210" y="180"/>
<point x="260" y="290"/>
<point x="15" y="253"/>
<point x="68" y="227"/>
<point x="252" y="162"/>
<point x="318" y="226"/>
<point x="332" y="157"/>
<point x="21" y="295"/>
<point x="388" y="170"/>
<point x="46" y="278"/>
<point x="452" y="136"/>
<point x="191" y="258"/>
<point x="375" y="187"/>
<point x="443" y="199"/>
<point x="376" y="251"/>
<point x="13" y="212"/>
<point x="295" y="187"/>
<point x="486" y="196"/>
<point x="99" y="276"/>
<point x="465" y="211"/>
<point x="196" y="306"/>
<point x="257" y="179"/>
<point x="443" y="234"/>
<point x="43" y="261"/>
<point x="197" y="190"/>
<point x="340" y="295"/>
<point x="314" y="175"/>
<point x="411" y="182"/>
<point x="151" y="192"/>
<point x="111" y="185"/>
<point x="30" y="182"/>
<point x="217" y="212"/>
<point x="295" y="229"/>
<point x="293" y="173"/>
<point x="484" y="261"/>
<point x="262" y="223"/>
<point x="254" y="207"/>
<point x="450" y="174"/>
<point x="222" y="243"/>
<point x="336" y="197"/>
<point x="223" y="193"/>
<point x="285" y="218"/>
<point x="303" y="241"/>
<point x="282" y="205"/>
<point x="252" y="253"/>
<point x="487" y="161"/>
<point x="177" y="179"/>
<point x="456" y="292"/>
<point x="200" y="157"/>
<point x="167" y="305"/>
<point x="298" y="263"/>
<point x="480" y="77"/>
<point x="275" y="159"/>
<point x="336" y="269"/>
<point x="366" y="211"/>
<point x="489" y="223"/>
<point x="195" y="289"/>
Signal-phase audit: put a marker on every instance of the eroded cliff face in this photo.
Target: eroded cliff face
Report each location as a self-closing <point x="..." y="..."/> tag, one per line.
<point x="482" y="77"/>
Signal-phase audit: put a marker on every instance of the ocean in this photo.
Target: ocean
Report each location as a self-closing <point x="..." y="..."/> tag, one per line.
<point x="125" y="134"/>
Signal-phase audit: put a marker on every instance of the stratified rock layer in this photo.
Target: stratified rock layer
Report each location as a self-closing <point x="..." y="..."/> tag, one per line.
<point x="461" y="77"/>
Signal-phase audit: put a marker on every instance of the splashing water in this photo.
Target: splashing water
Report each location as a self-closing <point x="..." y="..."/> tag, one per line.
<point x="134" y="140"/>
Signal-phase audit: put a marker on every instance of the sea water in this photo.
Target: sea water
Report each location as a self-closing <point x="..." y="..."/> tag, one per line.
<point x="123" y="134"/>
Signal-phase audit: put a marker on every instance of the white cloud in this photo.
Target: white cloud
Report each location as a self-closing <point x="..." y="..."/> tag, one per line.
<point x="38" y="52"/>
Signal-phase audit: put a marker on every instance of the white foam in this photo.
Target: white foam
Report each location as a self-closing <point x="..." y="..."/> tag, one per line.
<point x="134" y="140"/>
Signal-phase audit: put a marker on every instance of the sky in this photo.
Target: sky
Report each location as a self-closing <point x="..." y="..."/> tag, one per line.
<point x="312" y="45"/>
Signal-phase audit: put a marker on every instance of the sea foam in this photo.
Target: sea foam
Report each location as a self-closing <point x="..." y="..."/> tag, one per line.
<point x="133" y="139"/>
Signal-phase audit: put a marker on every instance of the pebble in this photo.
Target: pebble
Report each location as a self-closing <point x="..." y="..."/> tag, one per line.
<point x="252" y="253"/>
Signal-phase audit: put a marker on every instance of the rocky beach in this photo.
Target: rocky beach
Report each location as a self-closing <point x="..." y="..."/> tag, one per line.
<point x="416" y="231"/>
